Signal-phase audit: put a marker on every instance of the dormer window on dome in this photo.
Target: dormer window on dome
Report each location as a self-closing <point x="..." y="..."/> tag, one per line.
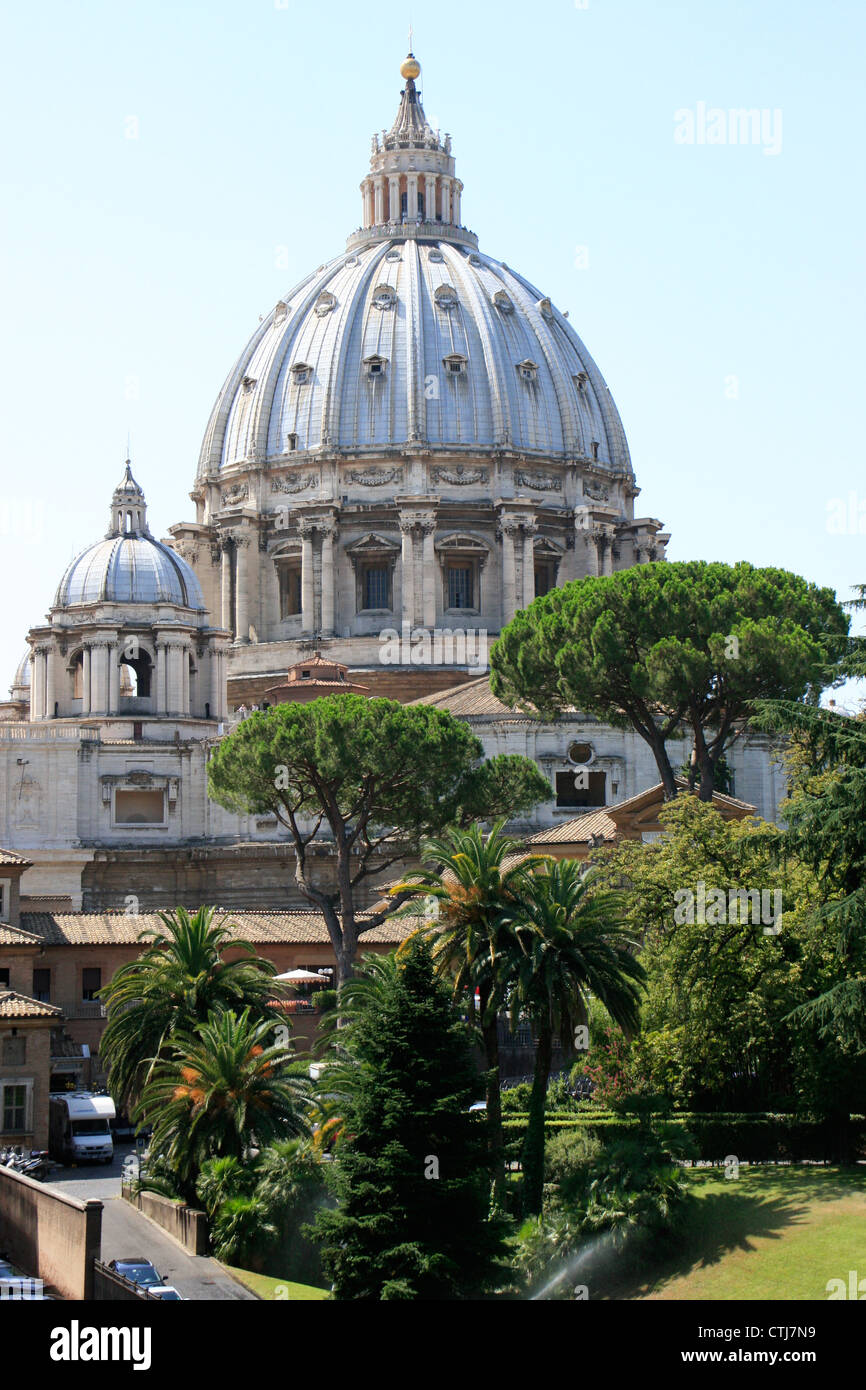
<point x="302" y="372"/>
<point x="325" y="303"/>
<point x="528" y="370"/>
<point x="384" y="297"/>
<point x="375" y="365"/>
<point x="503" y="303"/>
<point x="455" y="364"/>
<point x="446" y="298"/>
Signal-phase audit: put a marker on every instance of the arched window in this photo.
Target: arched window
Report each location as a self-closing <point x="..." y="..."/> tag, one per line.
<point x="78" y="676"/>
<point x="136" y="675"/>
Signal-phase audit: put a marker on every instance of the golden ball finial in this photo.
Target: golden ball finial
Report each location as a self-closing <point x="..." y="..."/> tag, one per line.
<point x="410" y="68"/>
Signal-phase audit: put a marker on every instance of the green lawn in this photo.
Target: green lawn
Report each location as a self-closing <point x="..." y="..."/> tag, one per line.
<point x="276" y="1290"/>
<point x="774" y="1233"/>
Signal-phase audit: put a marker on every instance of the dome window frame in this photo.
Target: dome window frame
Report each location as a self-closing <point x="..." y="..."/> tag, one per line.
<point x="325" y="304"/>
<point x="446" y="298"/>
<point x="384" y="298"/>
<point x="375" y="367"/>
<point x="302" y="373"/>
<point x="456" y="365"/>
<point x="527" y="370"/>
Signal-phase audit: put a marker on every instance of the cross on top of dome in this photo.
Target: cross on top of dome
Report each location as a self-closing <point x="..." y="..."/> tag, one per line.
<point x="128" y="508"/>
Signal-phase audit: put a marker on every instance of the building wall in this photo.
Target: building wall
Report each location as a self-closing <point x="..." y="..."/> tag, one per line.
<point x="35" y="1070"/>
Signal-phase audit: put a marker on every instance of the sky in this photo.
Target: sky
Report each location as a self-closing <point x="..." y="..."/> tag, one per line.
<point x="171" y="170"/>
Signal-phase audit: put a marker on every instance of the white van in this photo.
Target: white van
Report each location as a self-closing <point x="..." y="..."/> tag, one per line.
<point x="79" y="1129"/>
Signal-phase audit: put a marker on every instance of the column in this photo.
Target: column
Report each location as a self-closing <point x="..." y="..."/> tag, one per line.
<point x="185" y="657"/>
<point x="158" y="698"/>
<point x="407" y="570"/>
<point x="328" y="539"/>
<point x="226" y="584"/>
<point x="52" y="659"/>
<point x="458" y="188"/>
<point x="98" y="678"/>
<point x="528" y="562"/>
<point x="114" y="679"/>
<point x="174" y="682"/>
<point x="242" y="591"/>
<point x="430" y="197"/>
<point x="379" y="199"/>
<point x="86" y="692"/>
<point x="38" y="678"/>
<point x="446" y="200"/>
<point x="412" y="197"/>
<point x="308" y="593"/>
<point x="509" y="569"/>
<point x="428" y="573"/>
<point x="393" y="198"/>
<point x="367" y="202"/>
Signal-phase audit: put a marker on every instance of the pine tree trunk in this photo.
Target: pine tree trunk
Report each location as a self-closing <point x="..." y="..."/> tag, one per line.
<point x="533" y="1144"/>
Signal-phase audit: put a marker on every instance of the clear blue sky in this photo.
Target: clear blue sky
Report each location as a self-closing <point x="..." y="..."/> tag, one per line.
<point x="138" y="267"/>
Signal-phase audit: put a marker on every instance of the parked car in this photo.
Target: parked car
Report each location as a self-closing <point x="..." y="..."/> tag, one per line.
<point x="140" y="1271"/>
<point x="478" y="1105"/>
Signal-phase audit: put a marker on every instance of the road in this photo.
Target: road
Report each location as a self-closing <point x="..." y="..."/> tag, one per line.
<point x="126" y="1232"/>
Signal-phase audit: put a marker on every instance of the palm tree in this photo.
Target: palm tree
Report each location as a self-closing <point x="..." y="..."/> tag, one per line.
<point x="572" y="948"/>
<point x="179" y="980"/>
<point x="474" y="889"/>
<point x="227" y="1087"/>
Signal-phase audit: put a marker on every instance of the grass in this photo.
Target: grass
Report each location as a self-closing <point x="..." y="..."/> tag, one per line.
<point x="773" y="1233"/>
<point x="276" y="1290"/>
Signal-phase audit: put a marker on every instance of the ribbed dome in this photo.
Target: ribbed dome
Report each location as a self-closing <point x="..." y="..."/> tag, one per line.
<point x="129" y="569"/>
<point x="357" y="357"/>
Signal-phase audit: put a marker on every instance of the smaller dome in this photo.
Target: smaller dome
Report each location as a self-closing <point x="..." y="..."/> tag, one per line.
<point x="134" y="569"/>
<point x="129" y="566"/>
<point x="21" y="680"/>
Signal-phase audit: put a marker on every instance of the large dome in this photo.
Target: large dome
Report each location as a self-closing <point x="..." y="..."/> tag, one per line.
<point x="466" y="353"/>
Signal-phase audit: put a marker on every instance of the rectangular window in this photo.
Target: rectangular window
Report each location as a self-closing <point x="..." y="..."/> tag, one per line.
<point x="290" y="591"/>
<point x="139" y="808"/>
<point x="14" y="1052"/>
<point x="4" y="977"/>
<point x="544" y="579"/>
<point x="42" y="986"/>
<point x="579" y="788"/>
<point x="376" y="587"/>
<point x="91" y="981"/>
<point x="14" y="1109"/>
<point x="460" y="586"/>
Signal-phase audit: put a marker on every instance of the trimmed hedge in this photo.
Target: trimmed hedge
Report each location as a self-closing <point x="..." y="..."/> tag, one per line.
<point x="750" y="1138"/>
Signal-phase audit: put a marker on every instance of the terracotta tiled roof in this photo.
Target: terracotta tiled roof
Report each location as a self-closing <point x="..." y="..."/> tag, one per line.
<point x="474" y="698"/>
<point x="580" y="830"/>
<point x="8" y="856"/>
<point x="14" y="1005"/>
<point x="16" y="936"/>
<point x="260" y="928"/>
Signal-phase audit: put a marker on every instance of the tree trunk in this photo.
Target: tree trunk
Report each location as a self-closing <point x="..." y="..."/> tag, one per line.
<point x="490" y="1037"/>
<point x="533" y="1144"/>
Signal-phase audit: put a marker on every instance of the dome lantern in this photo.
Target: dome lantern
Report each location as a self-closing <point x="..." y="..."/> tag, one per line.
<point x="128" y="508"/>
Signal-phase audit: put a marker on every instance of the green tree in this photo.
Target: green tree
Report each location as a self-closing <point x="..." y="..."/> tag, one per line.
<point x="412" y="1180"/>
<point x="574" y="948"/>
<point x="670" y="648"/>
<point x="179" y="980"/>
<point x="380" y="774"/>
<point x="227" y="1086"/>
<point x="470" y="881"/>
<point x="720" y="977"/>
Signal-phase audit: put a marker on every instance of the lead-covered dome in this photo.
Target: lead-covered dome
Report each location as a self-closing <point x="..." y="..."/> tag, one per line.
<point x="128" y="565"/>
<point x="413" y="338"/>
<point x="407" y="341"/>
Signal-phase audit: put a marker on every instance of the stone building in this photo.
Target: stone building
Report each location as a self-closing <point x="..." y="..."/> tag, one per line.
<point x="412" y="445"/>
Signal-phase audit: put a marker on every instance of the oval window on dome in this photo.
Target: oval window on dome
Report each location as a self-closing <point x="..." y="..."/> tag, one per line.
<point x="436" y="256"/>
<point x="446" y="298"/>
<point x="384" y="298"/>
<point x="393" y="256"/>
<point x="503" y="303"/>
<point x="325" y="303"/>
